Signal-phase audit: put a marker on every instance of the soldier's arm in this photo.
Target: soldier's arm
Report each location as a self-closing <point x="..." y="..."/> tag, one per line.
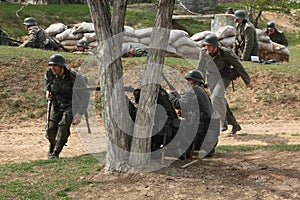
<point x="284" y="40"/>
<point x="31" y="39"/>
<point x="239" y="68"/>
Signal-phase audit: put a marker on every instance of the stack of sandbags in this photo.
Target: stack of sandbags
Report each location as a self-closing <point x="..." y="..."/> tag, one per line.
<point x="269" y="50"/>
<point x="179" y="43"/>
<point x="55" y="29"/>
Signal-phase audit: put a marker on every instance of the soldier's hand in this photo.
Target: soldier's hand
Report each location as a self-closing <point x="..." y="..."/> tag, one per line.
<point x="77" y="119"/>
<point x="250" y="85"/>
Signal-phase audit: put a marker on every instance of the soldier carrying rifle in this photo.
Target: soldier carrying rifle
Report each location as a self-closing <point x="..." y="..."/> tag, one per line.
<point x="67" y="104"/>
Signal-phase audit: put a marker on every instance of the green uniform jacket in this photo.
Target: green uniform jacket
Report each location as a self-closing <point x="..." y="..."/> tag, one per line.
<point x="278" y="37"/>
<point x="246" y="44"/>
<point x="224" y="59"/>
<point x="186" y="102"/>
<point x="36" y="38"/>
<point x="69" y="91"/>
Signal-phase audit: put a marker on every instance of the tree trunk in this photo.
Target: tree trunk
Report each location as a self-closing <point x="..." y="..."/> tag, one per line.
<point x="115" y="113"/>
<point x="141" y="142"/>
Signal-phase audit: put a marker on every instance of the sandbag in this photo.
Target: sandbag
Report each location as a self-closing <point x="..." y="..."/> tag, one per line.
<point x="188" y="52"/>
<point x="261" y="36"/>
<point x="184" y="41"/>
<point x="175" y="34"/>
<point x="280" y="49"/>
<point x="69" y="42"/>
<point x="130" y="39"/>
<point x="265" y="46"/>
<point x="68" y="35"/>
<point x="142" y="33"/>
<point x="129" y="31"/>
<point x="83" y="27"/>
<point x="225" y="31"/>
<point x="227" y="42"/>
<point x="90" y="37"/>
<point x="201" y="35"/>
<point x="55" y="29"/>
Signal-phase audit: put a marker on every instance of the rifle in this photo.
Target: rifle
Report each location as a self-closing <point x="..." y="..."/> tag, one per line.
<point x="171" y="86"/>
<point x="49" y="105"/>
<point x="164" y="146"/>
<point x="86" y="115"/>
<point x="14" y="40"/>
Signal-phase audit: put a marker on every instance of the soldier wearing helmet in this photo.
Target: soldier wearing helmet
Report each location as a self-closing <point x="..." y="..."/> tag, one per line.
<point x="212" y="59"/>
<point x="37" y="37"/>
<point x="82" y="48"/>
<point x="68" y="104"/>
<point x="246" y="44"/>
<point x="275" y="34"/>
<point x="229" y="10"/>
<point x="195" y="107"/>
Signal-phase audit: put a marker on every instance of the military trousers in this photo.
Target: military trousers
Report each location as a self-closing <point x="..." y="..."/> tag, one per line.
<point x="59" y="127"/>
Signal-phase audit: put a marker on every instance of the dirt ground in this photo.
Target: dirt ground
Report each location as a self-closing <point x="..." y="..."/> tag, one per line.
<point x="233" y="175"/>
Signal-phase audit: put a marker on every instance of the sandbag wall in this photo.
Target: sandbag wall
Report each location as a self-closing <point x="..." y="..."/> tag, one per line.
<point x="180" y="43"/>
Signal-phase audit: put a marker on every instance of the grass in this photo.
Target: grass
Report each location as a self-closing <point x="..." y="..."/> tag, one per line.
<point x="274" y="147"/>
<point x="46" y="179"/>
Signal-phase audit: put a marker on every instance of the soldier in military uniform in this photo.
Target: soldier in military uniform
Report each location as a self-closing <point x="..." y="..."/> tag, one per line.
<point x="136" y="52"/>
<point x="4" y="38"/>
<point x="246" y="44"/>
<point x="195" y="97"/>
<point x="162" y="133"/>
<point x="67" y="90"/>
<point x="37" y="37"/>
<point x="275" y="34"/>
<point x="82" y="48"/>
<point x="216" y="58"/>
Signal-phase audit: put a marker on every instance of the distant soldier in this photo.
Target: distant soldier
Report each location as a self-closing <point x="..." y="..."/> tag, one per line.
<point x="229" y="67"/>
<point x="67" y="90"/>
<point x="275" y="34"/>
<point x="136" y="52"/>
<point x="36" y="35"/>
<point x="229" y="10"/>
<point x="82" y="48"/>
<point x="246" y="44"/>
<point x="186" y="103"/>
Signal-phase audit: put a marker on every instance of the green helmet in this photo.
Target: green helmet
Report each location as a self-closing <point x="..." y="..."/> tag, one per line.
<point x="196" y="75"/>
<point x="270" y="25"/>
<point x="211" y="39"/>
<point x="30" y="21"/>
<point x="82" y="43"/>
<point x="240" y="14"/>
<point x="57" y="59"/>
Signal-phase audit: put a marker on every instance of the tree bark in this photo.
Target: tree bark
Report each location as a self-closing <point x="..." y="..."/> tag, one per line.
<point x="141" y="142"/>
<point x="114" y="109"/>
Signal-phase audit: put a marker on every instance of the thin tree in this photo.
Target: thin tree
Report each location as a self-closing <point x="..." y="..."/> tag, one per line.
<point x="109" y="41"/>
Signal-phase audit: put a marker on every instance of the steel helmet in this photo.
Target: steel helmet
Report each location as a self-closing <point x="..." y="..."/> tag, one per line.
<point x="30" y="21"/>
<point x="196" y="75"/>
<point x="57" y="59"/>
<point x="211" y="39"/>
<point x="240" y="14"/>
<point x="82" y="43"/>
<point x="270" y="25"/>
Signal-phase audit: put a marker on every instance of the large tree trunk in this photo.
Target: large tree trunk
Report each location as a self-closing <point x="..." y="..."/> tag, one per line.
<point x="114" y="113"/>
<point x="141" y="142"/>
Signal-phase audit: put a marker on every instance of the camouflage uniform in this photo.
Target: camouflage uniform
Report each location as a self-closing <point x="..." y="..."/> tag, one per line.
<point x="278" y="37"/>
<point x="246" y="44"/>
<point x="186" y="103"/>
<point x="37" y="38"/>
<point x="223" y="59"/>
<point x="67" y="101"/>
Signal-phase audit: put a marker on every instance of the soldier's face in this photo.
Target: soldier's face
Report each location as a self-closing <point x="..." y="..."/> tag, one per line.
<point x="236" y="20"/>
<point x="26" y="27"/>
<point x="271" y="30"/>
<point x="190" y="81"/>
<point x="56" y="69"/>
<point x="210" y="48"/>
